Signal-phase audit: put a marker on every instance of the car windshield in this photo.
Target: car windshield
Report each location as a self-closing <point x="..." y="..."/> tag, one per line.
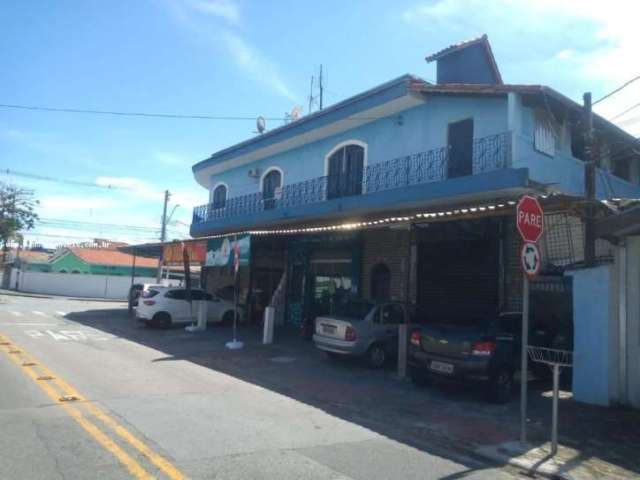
<point x="354" y="309"/>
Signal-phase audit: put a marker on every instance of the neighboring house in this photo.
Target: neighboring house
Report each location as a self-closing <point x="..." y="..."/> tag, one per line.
<point x="101" y="261"/>
<point x="17" y="260"/>
<point x="407" y="191"/>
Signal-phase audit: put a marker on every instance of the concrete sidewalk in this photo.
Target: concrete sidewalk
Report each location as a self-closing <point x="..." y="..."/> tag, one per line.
<point x="14" y="293"/>
<point x="595" y="442"/>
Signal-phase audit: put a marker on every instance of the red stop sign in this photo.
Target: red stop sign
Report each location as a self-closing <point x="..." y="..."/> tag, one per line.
<point x="529" y="219"/>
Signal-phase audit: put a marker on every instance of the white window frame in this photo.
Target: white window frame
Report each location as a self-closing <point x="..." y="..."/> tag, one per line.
<point x="216" y="185"/>
<point x="545" y="135"/>
<point x="266" y="172"/>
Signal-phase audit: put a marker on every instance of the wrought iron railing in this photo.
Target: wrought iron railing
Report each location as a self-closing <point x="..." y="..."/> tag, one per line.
<point x="488" y="153"/>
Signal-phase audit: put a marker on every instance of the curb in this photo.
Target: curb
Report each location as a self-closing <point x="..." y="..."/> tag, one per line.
<point x="80" y="299"/>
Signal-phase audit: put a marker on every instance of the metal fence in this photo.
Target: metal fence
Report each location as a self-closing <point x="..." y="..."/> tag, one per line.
<point x="488" y="153"/>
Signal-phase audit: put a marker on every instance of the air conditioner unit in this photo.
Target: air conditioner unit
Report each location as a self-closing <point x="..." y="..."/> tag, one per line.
<point x="254" y="172"/>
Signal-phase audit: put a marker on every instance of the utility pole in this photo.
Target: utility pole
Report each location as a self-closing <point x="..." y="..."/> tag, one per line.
<point x="163" y="232"/>
<point x="321" y="86"/>
<point x="589" y="183"/>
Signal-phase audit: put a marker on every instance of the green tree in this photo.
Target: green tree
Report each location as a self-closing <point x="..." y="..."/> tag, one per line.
<point x="17" y="212"/>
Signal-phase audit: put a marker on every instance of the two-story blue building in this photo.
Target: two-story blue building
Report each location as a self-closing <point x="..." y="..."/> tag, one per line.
<point x="407" y="191"/>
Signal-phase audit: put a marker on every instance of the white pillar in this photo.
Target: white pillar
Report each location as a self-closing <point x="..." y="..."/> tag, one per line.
<point x="269" y="321"/>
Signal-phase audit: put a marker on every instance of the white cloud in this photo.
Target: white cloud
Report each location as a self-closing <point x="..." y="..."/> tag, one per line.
<point x="565" y="54"/>
<point x="255" y="64"/>
<point x="600" y="39"/>
<point x="172" y="159"/>
<point x="197" y="16"/>
<point x="218" y="8"/>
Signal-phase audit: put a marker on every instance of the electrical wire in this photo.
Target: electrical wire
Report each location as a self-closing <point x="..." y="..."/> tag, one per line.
<point x="613" y="92"/>
<point x="632" y="107"/>
<point x="34" y="176"/>
<point x="133" y="114"/>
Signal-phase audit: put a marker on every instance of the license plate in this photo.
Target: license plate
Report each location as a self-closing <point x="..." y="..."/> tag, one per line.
<point x="441" y="367"/>
<point x="328" y="328"/>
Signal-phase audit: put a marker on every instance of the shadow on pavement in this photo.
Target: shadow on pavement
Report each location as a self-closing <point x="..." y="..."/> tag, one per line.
<point x="449" y="420"/>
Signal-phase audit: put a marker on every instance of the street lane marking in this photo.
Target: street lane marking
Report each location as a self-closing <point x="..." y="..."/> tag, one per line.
<point x="76" y="335"/>
<point x="36" y="312"/>
<point x="31" y="324"/>
<point x="62" y="314"/>
<point x="67" y="391"/>
<point x="17" y="314"/>
<point x="43" y="382"/>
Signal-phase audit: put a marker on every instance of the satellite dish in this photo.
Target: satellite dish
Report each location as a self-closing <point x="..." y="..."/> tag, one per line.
<point x="295" y="113"/>
<point x="261" y="124"/>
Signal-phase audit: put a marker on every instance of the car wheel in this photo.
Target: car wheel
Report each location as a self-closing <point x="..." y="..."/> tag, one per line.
<point x="376" y="356"/>
<point x="418" y="377"/>
<point x="162" y="320"/>
<point x="227" y="318"/>
<point x="501" y="385"/>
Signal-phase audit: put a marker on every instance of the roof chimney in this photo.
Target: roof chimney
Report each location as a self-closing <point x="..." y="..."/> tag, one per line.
<point x="467" y="62"/>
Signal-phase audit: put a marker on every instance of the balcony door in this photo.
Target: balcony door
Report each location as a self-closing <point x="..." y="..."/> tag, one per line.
<point x="271" y="182"/>
<point x="460" y="149"/>
<point x="344" y="176"/>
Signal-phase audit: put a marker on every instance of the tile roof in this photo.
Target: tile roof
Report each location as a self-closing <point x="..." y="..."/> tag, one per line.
<point x="483" y="39"/>
<point x="102" y="256"/>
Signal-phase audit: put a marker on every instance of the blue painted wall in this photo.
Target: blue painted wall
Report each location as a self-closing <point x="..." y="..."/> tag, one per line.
<point x="469" y="65"/>
<point x="563" y="170"/>
<point x="423" y="128"/>
<point x="593" y="335"/>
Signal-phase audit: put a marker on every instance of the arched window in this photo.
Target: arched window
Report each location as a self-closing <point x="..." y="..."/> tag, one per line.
<point x="271" y="185"/>
<point x="380" y="282"/>
<point x="345" y="166"/>
<point x="219" y="199"/>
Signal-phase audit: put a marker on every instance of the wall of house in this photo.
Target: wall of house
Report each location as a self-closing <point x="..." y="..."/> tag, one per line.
<point x="631" y="319"/>
<point x="563" y="171"/>
<point x="74" y="285"/>
<point x="391" y="248"/>
<point x="595" y="340"/>
<point x="68" y="263"/>
<point x="422" y="128"/>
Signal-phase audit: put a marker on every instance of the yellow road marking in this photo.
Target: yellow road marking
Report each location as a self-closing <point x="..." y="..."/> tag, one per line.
<point x="67" y="390"/>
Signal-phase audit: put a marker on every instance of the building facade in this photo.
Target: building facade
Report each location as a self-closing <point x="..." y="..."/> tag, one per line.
<point x="407" y="191"/>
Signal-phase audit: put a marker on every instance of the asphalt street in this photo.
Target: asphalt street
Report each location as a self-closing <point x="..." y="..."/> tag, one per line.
<point x="84" y="396"/>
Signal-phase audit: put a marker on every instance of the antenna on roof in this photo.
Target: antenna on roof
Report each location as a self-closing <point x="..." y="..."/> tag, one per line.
<point x="261" y="124"/>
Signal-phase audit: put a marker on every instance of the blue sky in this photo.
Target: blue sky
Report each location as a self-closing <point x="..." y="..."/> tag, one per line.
<point x="248" y="58"/>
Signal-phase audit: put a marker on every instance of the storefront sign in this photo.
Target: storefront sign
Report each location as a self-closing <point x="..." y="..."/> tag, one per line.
<point x="221" y="253"/>
<point x="172" y="253"/>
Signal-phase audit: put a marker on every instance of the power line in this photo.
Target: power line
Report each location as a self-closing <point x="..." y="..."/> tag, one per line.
<point x="75" y="237"/>
<point x="624" y="85"/>
<point x="625" y="111"/>
<point x="132" y="114"/>
<point x="83" y="224"/>
<point x="34" y="176"/>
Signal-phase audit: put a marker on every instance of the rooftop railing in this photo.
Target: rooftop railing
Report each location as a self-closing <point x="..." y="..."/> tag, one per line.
<point x="487" y="154"/>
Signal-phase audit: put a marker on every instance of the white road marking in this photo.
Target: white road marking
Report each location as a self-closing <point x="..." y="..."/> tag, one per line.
<point x="17" y="314"/>
<point x="76" y="335"/>
<point x="36" y="312"/>
<point x="35" y="324"/>
<point x="62" y="314"/>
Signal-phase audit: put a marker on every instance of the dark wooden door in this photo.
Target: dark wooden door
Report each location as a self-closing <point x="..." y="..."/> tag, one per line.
<point x="460" y="149"/>
<point x="271" y="182"/>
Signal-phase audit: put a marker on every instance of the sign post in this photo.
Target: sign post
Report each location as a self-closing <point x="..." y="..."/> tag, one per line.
<point x="235" y="344"/>
<point x="530" y="224"/>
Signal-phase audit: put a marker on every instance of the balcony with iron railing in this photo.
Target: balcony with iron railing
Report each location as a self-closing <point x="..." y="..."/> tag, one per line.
<point x="487" y="154"/>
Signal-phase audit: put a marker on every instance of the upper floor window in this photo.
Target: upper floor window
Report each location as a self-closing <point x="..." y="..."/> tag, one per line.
<point x="345" y="167"/>
<point x="219" y="197"/>
<point x="271" y="187"/>
<point x="545" y="134"/>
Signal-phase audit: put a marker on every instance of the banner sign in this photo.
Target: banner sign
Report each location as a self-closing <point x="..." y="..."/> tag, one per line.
<point x="172" y="253"/>
<point x="221" y="252"/>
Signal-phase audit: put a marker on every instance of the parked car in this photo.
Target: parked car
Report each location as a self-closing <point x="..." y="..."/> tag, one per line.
<point x="165" y="306"/>
<point x="361" y="328"/>
<point x="472" y="349"/>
